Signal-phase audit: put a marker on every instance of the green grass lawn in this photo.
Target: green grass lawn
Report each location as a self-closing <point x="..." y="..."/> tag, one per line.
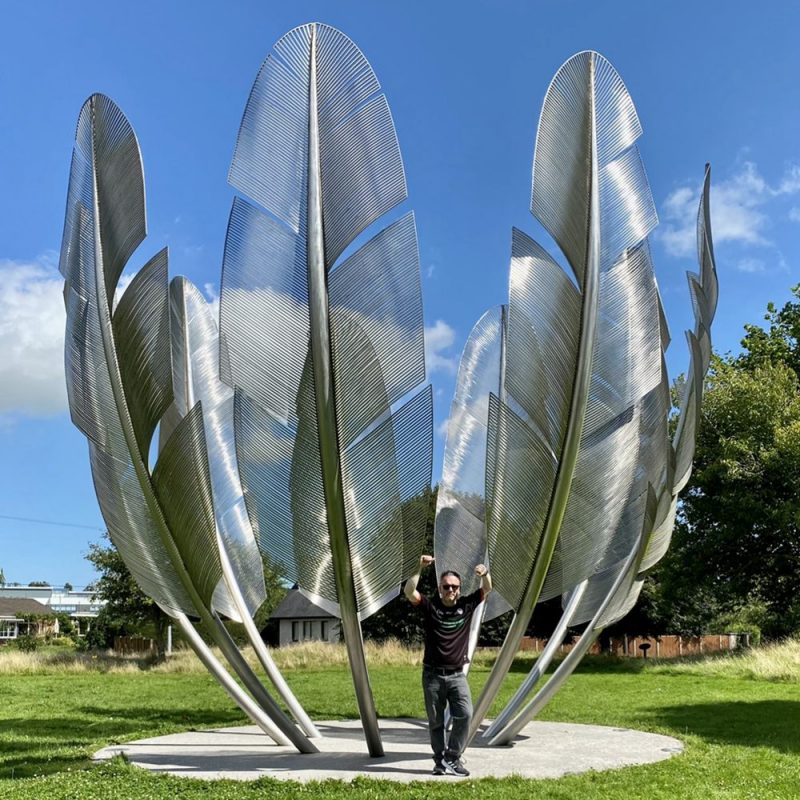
<point x="742" y="733"/>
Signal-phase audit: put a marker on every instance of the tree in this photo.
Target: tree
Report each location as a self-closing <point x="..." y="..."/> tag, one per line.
<point x="128" y="610"/>
<point x="779" y="343"/>
<point x="67" y="587"/>
<point x="735" y="556"/>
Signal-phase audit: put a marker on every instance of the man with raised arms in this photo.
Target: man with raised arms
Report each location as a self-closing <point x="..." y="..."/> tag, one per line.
<point x="447" y="624"/>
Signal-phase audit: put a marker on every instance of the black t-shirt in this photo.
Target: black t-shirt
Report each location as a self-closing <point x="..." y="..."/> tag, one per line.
<point x="447" y="629"/>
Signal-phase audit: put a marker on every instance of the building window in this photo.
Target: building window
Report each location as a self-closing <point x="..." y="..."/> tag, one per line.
<point x="295" y="631"/>
<point x="323" y="630"/>
<point x="8" y="630"/>
<point x="307" y="630"/>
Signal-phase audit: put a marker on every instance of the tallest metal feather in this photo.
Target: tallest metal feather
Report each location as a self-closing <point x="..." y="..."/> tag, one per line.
<point x="583" y="358"/>
<point x="321" y="349"/>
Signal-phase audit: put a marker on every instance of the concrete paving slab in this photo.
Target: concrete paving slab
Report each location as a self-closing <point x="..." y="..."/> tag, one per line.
<point x="542" y="750"/>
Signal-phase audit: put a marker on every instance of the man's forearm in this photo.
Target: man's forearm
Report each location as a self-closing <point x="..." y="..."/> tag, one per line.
<point x="411" y="586"/>
<point x="486" y="583"/>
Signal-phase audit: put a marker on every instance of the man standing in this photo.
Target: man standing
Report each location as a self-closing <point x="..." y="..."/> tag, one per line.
<point x="447" y="625"/>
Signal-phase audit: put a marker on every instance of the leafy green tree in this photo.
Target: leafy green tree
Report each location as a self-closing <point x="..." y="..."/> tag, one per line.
<point x="779" y="343"/>
<point x="735" y="555"/>
<point x="128" y="610"/>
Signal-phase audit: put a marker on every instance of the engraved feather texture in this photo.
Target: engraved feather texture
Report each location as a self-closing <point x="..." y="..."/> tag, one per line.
<point x="195" y="378"/>
<point x="596" y="349"/>
<point x="460" y="529"/>
<point x="613" y="589"/>
<point x="323" y="347"/>
<point x="119" y="375"/>
<point x="104" y="224"/>
<point x="370" y="307"/>
<point x="704" y="290"/>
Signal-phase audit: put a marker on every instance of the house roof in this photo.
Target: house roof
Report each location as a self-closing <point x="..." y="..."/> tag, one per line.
<point x="13" y="607"/>
<point x="297" y="606"/>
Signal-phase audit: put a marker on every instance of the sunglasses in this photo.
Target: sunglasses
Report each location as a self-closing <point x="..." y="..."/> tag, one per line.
<point x="450" y="587"/>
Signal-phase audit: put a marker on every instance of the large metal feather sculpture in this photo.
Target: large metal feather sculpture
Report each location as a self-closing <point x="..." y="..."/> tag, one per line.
<point x="583" y="372"/>
<point x="617" y="587"/>
<point x="460" y="540"/>
<point x="119" y="387"/>
<point x="195" y="379"/>
<point x="323" y="348"/>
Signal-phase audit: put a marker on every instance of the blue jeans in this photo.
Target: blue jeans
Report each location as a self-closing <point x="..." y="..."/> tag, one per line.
<point x="441" y="690"/>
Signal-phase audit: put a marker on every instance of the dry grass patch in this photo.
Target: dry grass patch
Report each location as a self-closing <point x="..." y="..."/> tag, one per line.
<point x="15" y="662"/>
<point x="305" y="656"/>
<point x="777" y="662"/>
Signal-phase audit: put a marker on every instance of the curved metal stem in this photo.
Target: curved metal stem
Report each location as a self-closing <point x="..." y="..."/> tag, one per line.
<point x="541" y="665"/>
<point x="242" y="699"/>
<point x="231" y="583"/>
<point x="569" y="454"/>
<point x="144" y="478"/>
<point x="261" y="651"/>
<point x="326" y="422"/>
<point x="546" y="693"/>
<point x="239" y="664"/>
<point x="581" y="647"/>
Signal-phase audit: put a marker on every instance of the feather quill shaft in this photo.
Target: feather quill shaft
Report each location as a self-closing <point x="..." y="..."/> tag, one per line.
<point x="589" y="272"/>
<point x="318" y="429"/>
<point x="195" y="371"/>
<point x="326" y="422"/>
<point x="105" y="223"/>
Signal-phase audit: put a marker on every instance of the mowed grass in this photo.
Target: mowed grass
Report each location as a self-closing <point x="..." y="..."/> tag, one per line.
<point x="738" y="717"/>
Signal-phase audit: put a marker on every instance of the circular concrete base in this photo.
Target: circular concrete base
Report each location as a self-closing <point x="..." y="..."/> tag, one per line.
<point x="542" y="750"/>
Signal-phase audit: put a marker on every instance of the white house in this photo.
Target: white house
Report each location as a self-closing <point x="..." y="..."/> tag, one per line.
<point x="80" y="606"/>
<point x="299" y="620"/>
<point x="13" y="613"/>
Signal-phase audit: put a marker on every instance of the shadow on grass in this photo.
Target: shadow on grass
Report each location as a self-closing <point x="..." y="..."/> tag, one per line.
<point x="49" y="744"/>
<point x="763" y="723"/>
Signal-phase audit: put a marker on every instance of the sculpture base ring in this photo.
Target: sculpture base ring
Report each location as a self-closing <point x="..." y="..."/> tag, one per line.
<point x="541" y="750"/>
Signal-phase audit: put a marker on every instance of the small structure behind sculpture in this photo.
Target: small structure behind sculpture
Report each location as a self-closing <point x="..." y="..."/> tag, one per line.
<point x="299" y="620"/>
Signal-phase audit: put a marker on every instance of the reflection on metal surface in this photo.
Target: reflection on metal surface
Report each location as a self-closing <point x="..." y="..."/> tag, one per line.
<point x="577" y="431"/>
<point x="301" y="430"/>
<point x="119" y="382"/>
<point x="323" y="351"/>
<point x="195" y="379"/>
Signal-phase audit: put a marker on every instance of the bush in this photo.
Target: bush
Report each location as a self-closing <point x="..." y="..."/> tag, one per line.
<point x="26" y="643"/>
<point x="62" y="643"/>
<point x="752" y="616"/>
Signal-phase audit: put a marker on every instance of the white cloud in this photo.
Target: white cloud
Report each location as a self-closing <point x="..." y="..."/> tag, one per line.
<point x="441" y="428"/>
<point x="213" y="300"/>
<point x="438" y="338"/>
<point x="737" y="209"/>
<point x="794" y="214"/>
<point x="790" y="184"/>
<point x="122" y="284"/>
<point x="750" y="265"/>
<point x="430" y="270"/>
<point x="32" y="322"/>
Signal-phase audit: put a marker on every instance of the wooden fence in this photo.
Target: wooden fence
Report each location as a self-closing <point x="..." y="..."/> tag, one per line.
<point x="134" y="646"/>
<point x="667" y="646"/>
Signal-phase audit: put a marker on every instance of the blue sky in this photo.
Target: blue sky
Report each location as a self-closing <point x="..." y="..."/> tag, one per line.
<point x="713" y="81"/>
